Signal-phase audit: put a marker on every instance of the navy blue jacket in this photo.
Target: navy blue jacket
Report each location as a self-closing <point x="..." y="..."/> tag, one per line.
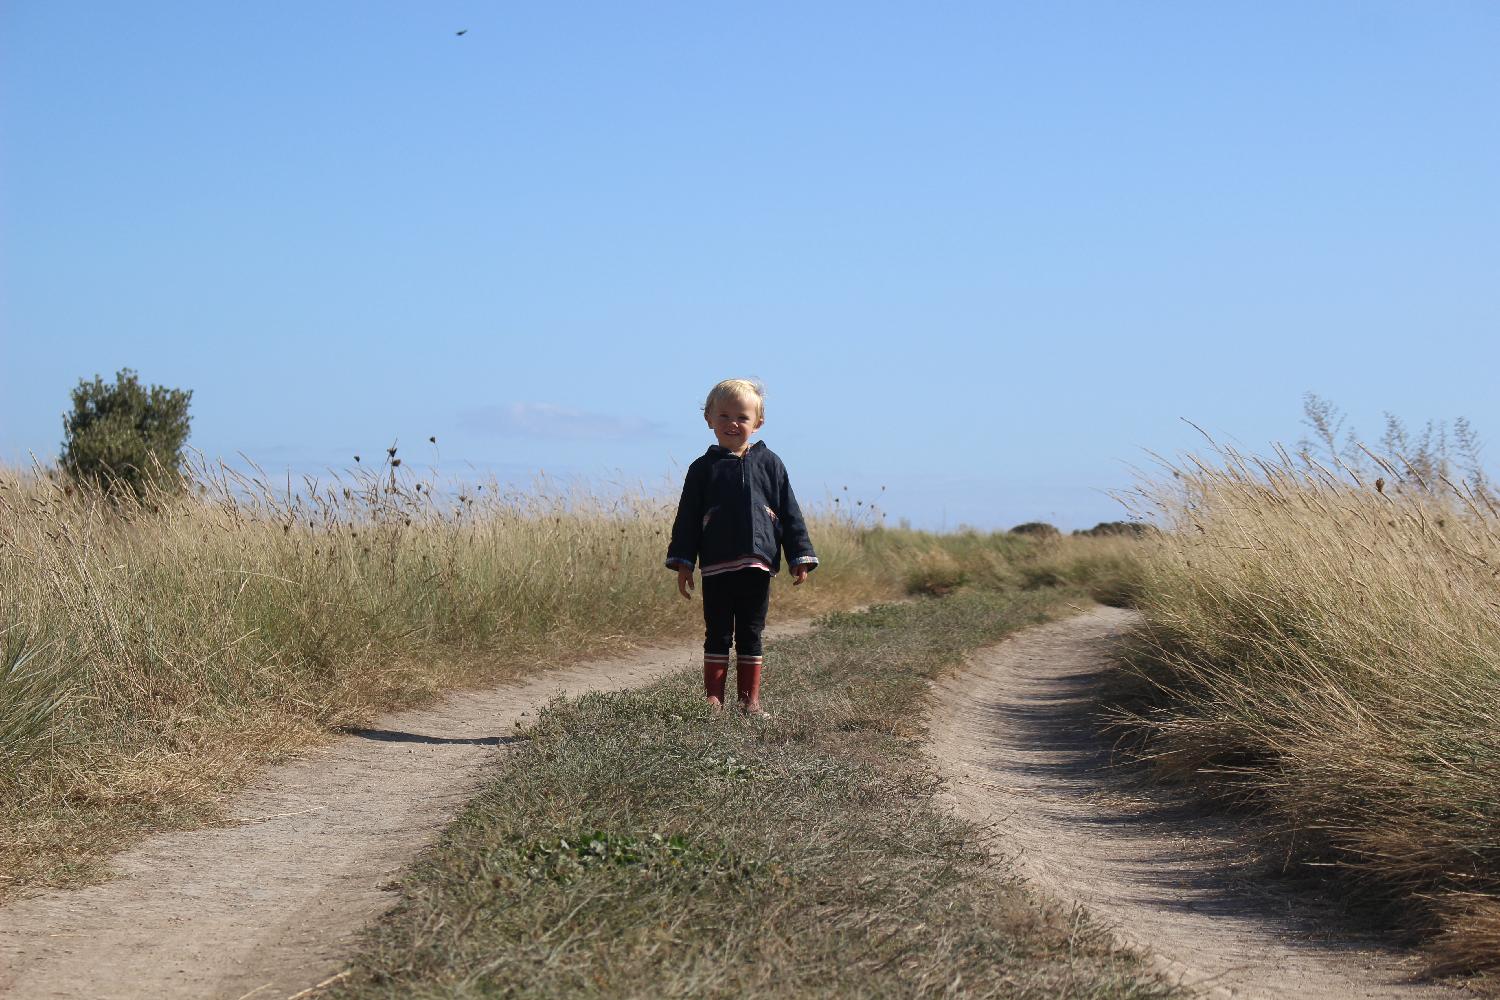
<point x="733" y="507"/>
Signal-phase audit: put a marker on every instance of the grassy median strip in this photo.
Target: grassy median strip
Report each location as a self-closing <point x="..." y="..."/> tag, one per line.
<point x="637" y="846"/>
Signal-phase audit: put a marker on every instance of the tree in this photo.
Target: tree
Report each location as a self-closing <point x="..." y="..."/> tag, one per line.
<point x="124" y="434"/>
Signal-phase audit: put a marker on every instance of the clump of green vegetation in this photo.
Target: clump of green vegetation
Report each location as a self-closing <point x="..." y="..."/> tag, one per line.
<point x="1036" y="529"/>
<point x="797" y="856"/>
<point x="1107" y="529"/>
<point x="123" y="435"/>
<point x="567" y="858"/>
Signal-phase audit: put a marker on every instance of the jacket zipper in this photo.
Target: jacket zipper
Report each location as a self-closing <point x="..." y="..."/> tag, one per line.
<point x="743" y="490"/>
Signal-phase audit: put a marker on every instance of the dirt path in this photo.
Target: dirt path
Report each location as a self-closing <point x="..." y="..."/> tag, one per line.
<point x="267" y="906"/>
<point x="1015" y="736"/>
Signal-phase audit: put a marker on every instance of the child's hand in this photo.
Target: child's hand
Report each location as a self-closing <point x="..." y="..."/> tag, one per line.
<point x="685" y="581"/>
<point x="799" y="573"/>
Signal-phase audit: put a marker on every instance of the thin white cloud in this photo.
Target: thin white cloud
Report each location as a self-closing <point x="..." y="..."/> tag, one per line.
<point x="553" y="422"/>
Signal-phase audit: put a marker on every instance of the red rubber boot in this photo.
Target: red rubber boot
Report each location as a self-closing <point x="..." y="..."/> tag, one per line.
<point x="715" y="669"/>
<point x="747" y="680"/>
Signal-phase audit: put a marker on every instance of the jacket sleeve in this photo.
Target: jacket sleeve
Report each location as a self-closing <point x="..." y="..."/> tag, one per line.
<point x="687" y="528"/>
<point x="794" y="538"/>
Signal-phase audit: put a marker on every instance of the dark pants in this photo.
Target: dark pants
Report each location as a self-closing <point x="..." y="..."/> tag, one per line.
<point x="734" y="608"/>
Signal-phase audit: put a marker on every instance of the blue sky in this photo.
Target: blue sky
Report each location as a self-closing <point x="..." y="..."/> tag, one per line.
<point x="984" y="254"/>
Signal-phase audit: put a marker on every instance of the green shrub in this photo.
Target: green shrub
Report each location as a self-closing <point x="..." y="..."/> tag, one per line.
<point x="1105" y="529"/>
<point x="122" y="434"/>
<point x="1036" y="529"/>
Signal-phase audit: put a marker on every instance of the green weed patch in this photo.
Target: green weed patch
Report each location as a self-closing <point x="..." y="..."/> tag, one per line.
<point x="565" y="860"/>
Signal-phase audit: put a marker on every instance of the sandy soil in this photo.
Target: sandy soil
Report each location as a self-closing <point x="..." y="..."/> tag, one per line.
<point x="1016" y="737"/>
<point x="268" y="904"/>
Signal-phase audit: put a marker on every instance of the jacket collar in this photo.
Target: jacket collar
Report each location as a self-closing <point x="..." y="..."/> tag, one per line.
<point x="718" y="450"/>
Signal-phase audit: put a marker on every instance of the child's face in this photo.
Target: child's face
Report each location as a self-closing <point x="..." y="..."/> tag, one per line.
<point x="733" y="420"/>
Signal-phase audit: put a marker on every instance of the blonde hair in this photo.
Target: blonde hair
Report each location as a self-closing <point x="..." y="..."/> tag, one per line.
<point x="739" y="388"/>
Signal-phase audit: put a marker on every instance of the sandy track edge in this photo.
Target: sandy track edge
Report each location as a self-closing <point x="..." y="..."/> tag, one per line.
<point x="1015" y="735"/>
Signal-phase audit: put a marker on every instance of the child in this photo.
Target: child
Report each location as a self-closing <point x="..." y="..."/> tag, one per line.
<point x="736" y="515"/>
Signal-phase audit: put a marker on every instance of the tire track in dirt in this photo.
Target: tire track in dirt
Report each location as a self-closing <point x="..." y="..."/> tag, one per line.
<point x="270" y="903"/>
<point x="1015" y="735"/>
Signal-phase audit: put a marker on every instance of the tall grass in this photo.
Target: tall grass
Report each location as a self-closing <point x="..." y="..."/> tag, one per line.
<point x="1328" y="648"/>
<point x="158" y="650"/>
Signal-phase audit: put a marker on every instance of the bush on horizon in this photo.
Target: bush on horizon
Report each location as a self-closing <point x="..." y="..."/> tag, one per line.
<point x="122" y="434"/>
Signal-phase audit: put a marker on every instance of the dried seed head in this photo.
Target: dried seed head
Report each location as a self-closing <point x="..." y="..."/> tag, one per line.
<point x="395" y="462"/>
<point x="356" y="458"/>
<point x="1379" y="485"/>
<point x="433" y="439"/>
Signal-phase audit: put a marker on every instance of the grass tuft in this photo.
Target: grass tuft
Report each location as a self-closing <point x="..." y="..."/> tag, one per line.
<point x="32" y="689"/>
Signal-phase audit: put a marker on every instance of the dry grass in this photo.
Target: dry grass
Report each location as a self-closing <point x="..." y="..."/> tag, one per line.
<point x="154" y="654"/>
<point x="1327" y="648"/>
<point x="1107" y="566"/>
